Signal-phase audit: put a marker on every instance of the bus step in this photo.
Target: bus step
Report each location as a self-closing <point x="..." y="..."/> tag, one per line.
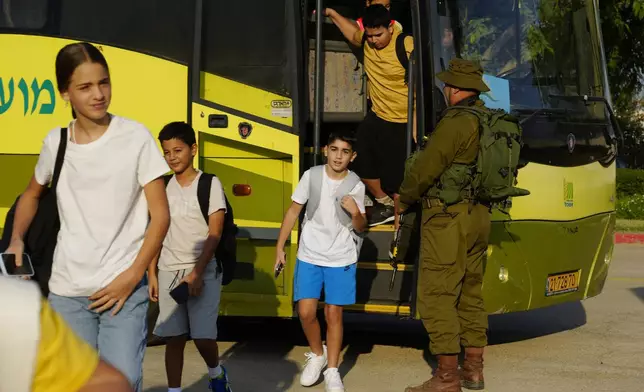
<point x="376" y="244"/>
<point x="382" y="307"/>
<point x="381" y="228"/>
<point x="384" y="266"/>
<point x="374" y="281"/>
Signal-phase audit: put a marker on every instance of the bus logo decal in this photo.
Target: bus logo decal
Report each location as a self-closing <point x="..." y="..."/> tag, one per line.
<point x="281" y="104"/>
<point x="569" y="194"/>
<point x="572" y="141"/>
<point x="245" y="129"/>
<point x="6" y="101"/>
<point x="282" y="108"/>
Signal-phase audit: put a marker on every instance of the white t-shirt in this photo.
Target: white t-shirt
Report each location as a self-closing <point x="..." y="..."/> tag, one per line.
<point x="324" y="240"/>
<point x="102" y="206"/>
<point x="188" y="231"/>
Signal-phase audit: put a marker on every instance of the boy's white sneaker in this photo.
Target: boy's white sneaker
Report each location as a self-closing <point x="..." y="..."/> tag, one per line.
<point x="332" y="380"/>
<point x="313" y="368"/>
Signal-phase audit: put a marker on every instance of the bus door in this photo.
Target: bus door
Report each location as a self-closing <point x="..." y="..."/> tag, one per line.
<point x="337" y="92"/>
<point x="244" y="90"/>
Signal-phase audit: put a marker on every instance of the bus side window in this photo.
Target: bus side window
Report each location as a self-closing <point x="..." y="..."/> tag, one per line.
<point x="23" y="14"/>
<point x="246" y="41"/>
<point x="162" y="28"/>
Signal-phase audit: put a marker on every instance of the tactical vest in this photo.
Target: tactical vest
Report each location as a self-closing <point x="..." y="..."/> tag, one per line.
<point x="455" y="184"/>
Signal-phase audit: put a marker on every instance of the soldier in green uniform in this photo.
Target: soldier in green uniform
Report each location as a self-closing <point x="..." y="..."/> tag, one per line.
<point x="454" y="236"/>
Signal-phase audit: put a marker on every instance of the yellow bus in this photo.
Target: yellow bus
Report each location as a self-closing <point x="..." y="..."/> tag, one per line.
<point x="248" y="75"/>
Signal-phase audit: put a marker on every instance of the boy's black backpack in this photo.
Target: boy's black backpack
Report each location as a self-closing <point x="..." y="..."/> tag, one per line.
<point x="42" y="235"/>
<point x="226" y="252"/>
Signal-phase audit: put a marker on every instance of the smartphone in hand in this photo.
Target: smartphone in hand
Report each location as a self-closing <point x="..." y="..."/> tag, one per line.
<point x="278" y="270"/>
<point x="8" y="265"/>
<point x="181" y="293"/>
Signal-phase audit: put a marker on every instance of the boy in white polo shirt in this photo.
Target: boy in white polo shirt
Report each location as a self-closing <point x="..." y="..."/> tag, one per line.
<point x="188" y="256"/>
<point x="327" y="254"/>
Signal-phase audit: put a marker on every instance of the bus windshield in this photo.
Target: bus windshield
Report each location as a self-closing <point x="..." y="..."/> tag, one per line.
<point x="540" y="58"/>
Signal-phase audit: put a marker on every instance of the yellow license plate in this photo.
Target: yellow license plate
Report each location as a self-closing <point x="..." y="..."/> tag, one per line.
<point x="566" y="282"/>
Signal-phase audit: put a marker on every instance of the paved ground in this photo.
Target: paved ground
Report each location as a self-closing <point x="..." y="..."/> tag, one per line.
<point x="596" y="345"/>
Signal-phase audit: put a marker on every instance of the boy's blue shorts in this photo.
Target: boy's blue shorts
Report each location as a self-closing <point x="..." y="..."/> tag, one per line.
<point x="339" y="283"/>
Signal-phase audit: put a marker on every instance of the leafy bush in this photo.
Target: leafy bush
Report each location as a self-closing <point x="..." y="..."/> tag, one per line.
<point x="630" y="207"/>
<point x="630" y="182"/>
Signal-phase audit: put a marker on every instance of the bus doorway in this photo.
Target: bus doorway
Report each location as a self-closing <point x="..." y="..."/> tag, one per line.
<point x="341" y="95"/>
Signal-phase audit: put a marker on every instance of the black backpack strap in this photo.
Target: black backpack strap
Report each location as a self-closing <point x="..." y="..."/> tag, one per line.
<point x="166" y="180"/>
<point x="203" y="193"/>
<point x="360" y="52"/>
<point x="401" y="53"/>
<point x="60" y="157"/>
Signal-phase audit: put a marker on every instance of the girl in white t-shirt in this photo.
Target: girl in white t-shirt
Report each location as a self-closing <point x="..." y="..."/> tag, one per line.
<point x="109" y="183"/>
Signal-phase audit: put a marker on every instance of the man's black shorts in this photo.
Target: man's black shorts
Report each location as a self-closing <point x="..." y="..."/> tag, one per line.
<point x="382" y="151"/>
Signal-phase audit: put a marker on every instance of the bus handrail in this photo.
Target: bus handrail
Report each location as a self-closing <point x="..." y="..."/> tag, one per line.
<point x="410" y="102"/>
<point x="319" y="92"/>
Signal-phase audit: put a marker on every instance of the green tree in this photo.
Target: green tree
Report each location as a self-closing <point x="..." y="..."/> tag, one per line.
<point x="631" y="123"/>
<point x="623" y="32"/>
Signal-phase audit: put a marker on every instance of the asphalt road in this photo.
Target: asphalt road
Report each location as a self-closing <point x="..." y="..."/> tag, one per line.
<point x="595" y="345"/>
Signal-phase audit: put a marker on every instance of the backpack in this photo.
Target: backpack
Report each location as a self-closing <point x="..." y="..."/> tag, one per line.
<point x="494" y="175"/>
<point x="226" y="252"/>
<point x="42" y="235"/>
<point x="316" y="178"/>
<point x="401" y="52"/>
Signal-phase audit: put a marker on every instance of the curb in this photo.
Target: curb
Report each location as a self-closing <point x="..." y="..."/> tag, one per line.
<point x="629" y="238"/>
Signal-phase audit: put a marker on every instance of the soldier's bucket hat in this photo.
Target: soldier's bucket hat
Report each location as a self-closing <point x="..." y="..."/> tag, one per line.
<point x="464" y="74"/>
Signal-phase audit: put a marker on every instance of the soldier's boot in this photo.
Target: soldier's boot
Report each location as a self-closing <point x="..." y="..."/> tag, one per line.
<point x="472" y="369"/>
<point x="446" y="377"/>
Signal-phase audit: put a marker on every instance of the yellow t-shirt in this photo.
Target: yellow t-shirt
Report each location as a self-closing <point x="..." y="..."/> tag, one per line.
<point x="64" y="362"/>
<point x="387" y="88"/>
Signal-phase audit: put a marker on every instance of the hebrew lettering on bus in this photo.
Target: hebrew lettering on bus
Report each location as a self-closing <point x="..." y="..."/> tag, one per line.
<point x="47" y="104"/>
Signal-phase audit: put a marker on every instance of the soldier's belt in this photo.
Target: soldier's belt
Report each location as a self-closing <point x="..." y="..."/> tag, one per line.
<point x="431" y="203"/>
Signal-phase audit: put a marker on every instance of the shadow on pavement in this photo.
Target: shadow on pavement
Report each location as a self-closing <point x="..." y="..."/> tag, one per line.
<point x="639" y="292"/>
<point x="515" y="327"/>
<point x="259" y="357"/>
<point x="262" y="346"/>
<point x="362" y="335"/>
<point x="363" y="332"/>
<point x="200" y="386"/>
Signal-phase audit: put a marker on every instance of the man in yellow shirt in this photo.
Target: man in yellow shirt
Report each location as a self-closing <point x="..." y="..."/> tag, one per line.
<point x="382" y="135"/>
<point x="40" y="353"/>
